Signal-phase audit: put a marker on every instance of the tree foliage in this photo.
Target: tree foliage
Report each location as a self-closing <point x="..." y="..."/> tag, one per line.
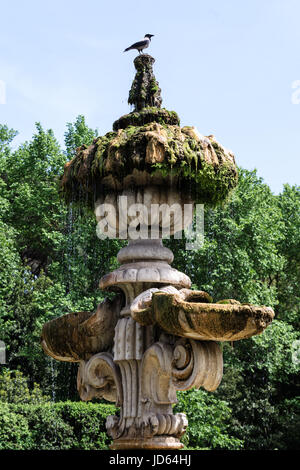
<point x="14" y="388"/>
<point x="209" y="421"/>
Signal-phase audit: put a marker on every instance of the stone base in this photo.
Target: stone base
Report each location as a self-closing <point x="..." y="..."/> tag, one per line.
<point x="161" y="442"/>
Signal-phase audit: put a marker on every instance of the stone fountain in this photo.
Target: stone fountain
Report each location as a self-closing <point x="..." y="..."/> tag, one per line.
<point x="155" y="336"/>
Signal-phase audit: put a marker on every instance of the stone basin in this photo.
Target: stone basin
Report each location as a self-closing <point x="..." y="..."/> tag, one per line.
<point x="209" y="321"/>
<point x="78" y="336"/>
<point x="227" y="320"/>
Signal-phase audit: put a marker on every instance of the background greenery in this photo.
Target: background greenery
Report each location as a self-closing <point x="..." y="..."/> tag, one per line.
<point x="51" y="262"/>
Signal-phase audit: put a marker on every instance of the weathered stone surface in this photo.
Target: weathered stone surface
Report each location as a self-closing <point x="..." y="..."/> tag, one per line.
<point x="145" y="90"/>
<point x="99" y="377"/>
<point x="146" y="116"/>
<point x="78" y="336"/>
<point x="197" y="364"/>
<point x="208" y="321"/>
<point x="138" y="274"/>
<point x="151" y="155"/>
<point x="151" y="375"/>
<point x="140" y="250"/>
<point x="192" y="314"/>
<point x="157" y="442"/>
<point x="144" y="272"/>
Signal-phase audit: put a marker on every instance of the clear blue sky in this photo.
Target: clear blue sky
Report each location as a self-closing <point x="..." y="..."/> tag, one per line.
<point x="226" y="66"/>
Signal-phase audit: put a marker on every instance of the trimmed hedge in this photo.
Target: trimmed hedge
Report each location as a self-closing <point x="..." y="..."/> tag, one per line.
<point x="79" y="425"/>
<point x="54" y="426"/>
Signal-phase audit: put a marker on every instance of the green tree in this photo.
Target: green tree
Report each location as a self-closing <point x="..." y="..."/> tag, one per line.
<point x="78" y="134"/>
<point x="209" y="421"/>
<point x="288" y="278"/>
<point x="259" y="376"/>
<point x="14" y="388"/>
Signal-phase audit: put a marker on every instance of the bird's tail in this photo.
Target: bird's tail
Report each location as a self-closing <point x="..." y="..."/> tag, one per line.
<point x="128" y="49"/>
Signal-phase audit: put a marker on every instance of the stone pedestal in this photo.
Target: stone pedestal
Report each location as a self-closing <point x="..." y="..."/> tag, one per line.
<point x="154" y="337"/>
<point x="146" y="365"/>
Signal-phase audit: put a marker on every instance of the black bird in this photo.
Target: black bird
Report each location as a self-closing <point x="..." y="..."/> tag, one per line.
<point x="141" y="44"/>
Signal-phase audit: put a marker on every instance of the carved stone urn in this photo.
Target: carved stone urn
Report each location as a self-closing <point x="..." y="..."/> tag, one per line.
<point x="156" y="335"/>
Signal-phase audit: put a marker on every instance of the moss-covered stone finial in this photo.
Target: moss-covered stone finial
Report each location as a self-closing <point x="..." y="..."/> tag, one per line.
<point x="144" y="90"/>
<point x="149" y="148"/>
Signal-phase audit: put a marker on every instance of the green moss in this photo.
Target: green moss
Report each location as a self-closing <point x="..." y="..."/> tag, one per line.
<point x="208" y="184"/>
<point x="145" y="116"/>
<point x="118" y="154"/>
<point x="190" y="154"/>
<point x="218" y="149"/>
<point x="144" y="90"/>
<point x="101" y="152"/>
<point x="161" y="303"/>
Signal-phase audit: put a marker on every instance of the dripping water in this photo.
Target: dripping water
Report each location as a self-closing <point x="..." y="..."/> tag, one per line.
<point x="210" y="255"/>
<point x="69" y="246"/>
<point x="53" y="381"/>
